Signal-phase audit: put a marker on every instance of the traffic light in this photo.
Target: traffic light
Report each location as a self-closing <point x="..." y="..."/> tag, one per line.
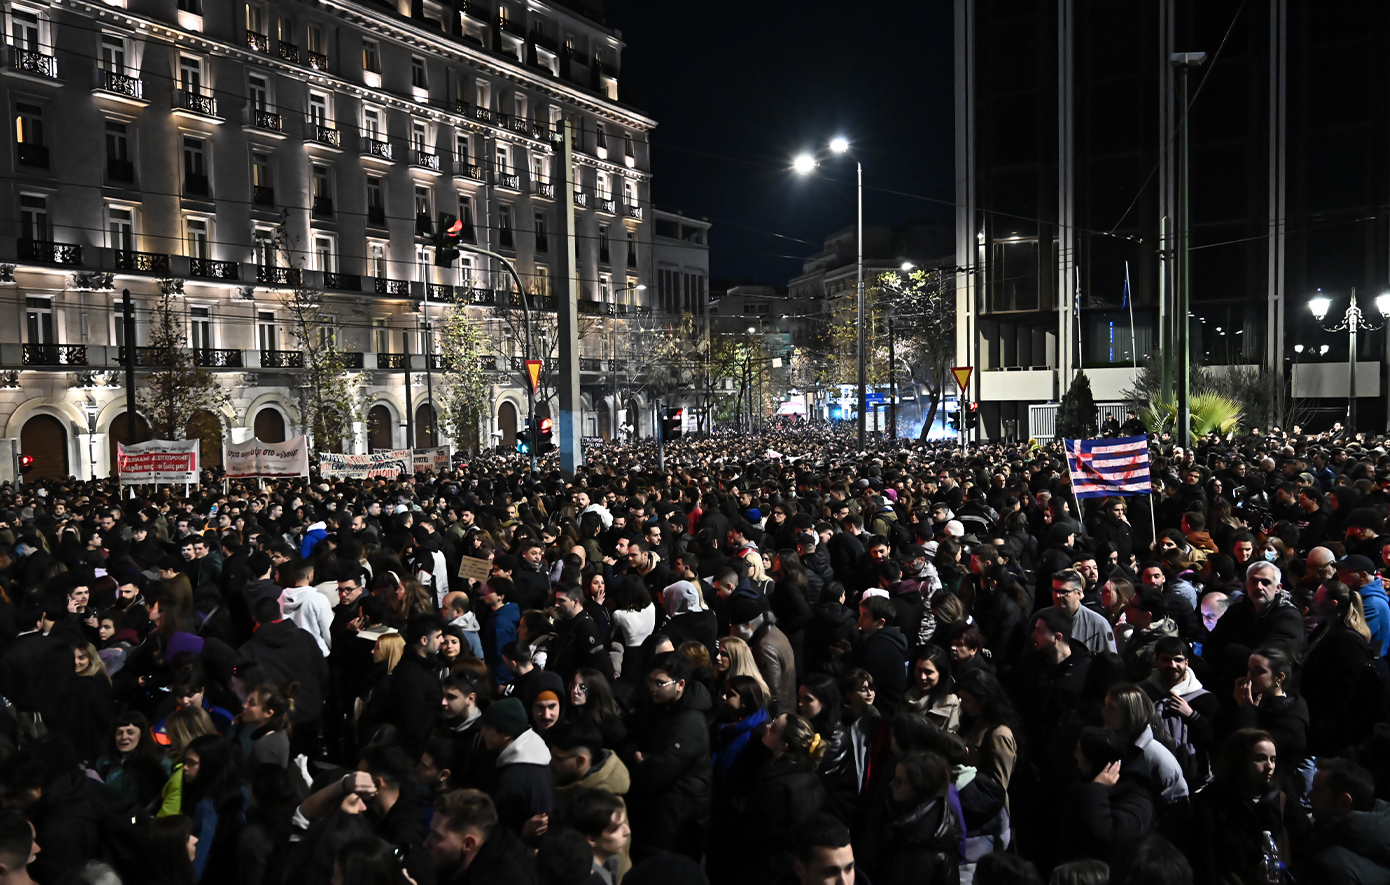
<point x="672" y="424"/>
<point x="446" y="239"/>
<point x="523" y="442"/>
<point x="26" y="463"/>
<point x="543" y="441"/>
<point x="972" y="415"/>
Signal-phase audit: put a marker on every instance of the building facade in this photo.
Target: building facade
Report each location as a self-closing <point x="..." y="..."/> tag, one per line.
<point x="231" y="150"/>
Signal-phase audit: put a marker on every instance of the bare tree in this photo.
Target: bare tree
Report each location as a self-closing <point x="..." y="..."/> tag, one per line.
<point x="179" y="398"/>
<point x="463" y="388"/>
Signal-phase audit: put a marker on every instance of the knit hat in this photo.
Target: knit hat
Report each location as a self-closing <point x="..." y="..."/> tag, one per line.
<point x="506" y="716"/>
<point x="744" y="608"/>
<point x="753" y="514"/>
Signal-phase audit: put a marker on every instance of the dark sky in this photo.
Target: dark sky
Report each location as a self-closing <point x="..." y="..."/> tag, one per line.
<point x="737" y="89"/>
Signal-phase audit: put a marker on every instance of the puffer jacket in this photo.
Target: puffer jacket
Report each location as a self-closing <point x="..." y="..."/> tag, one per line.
<point x="921" y="847"/>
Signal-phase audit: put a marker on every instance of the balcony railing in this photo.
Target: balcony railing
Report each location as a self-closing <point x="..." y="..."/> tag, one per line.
<point x="471" y="171"/>
<point x="376" y="215"/>
<point x="351" y="360"/>
<point x="581" y="199"/>
<point x="424" y="159"/>
<point x="267" y="120"/>
<point x="207" y="269"/>
<point x="318" y="60"/>
<point x="398" y="288"/>
<point x="545" y="189"/>
<point x="634" y="211"/>
<point x="440" y="363"/>
<point x="375" y="147"/>
<point x="607" y="205"/>
<point x="587" y="364"/>
<point x="196" y="102"/>
<point x="55" y="354"/>
<point x="282" y="359"/>
<point x="483" y="297"/>
<point x="437" y="292"/>
<point x="120" y="170"/>
<point x="122" y="84"/>
<point x="30" y="154"/>
<point x="323" y="206"/>
<point x="195" y="185"/>
<point x="509" y="180"/>
<point x="217" y="358"/>
<point x="49" y="252"/>
<point x="144" y="262"/>
<point x="390" y="361"/>
<point x="262" y="195"/>
<point x="277" y="276"/>
<point x="482" y="115"/>
<point x="288" y="51"/>
<point x="350" y="282"/>
<point x="258" y="42"/>
<point x="31" y="61"/>
<point x="325" y="134"/>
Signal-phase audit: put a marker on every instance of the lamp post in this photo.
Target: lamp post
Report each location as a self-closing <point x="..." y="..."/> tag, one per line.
<point x="806" y="164"/>
<point x="613" y="362"/>
<point x="1182" y="339"/>
<point x="1353" y="321"/>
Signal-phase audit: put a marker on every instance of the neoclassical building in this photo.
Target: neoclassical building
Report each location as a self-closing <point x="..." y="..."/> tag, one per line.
<point x="228" y="150"/>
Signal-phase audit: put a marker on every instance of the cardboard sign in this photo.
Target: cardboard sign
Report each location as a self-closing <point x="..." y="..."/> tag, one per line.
<point x="473" y="569"/>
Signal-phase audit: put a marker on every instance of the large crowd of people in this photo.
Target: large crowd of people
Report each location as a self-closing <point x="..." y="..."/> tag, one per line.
<point x="776" y="659"/>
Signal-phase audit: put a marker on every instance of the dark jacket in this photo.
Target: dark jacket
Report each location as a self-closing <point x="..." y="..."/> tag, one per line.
<point x="502" y="860"/>
<point x="525" y="787"/>
<point x="290" y="654"/>
<point x="1339" y="687"/>
<point x="1105" y="819"/>
<point x="1286" y="720"/>
<point x="777" y="663"/>
<point x="693" y="626"/>
<point x="1352" y="850"/>
<point x="920" y="847"/>
<point x="1241" y="630"/>
<point x="578" y="644"/>
<point x="531" y="588"/>
<point x="415" y="699"/>
<point x="670" y="795"/>
<point x="884" y="656"/>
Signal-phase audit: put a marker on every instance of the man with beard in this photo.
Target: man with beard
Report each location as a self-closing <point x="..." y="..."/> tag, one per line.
<point x="1187" y="709"/>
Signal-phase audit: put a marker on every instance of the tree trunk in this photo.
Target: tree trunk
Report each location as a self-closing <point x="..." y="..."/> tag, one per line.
<point x="931" y="416"/>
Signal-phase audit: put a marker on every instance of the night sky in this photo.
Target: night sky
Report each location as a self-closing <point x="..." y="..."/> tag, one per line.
<point x="738" y="89"/>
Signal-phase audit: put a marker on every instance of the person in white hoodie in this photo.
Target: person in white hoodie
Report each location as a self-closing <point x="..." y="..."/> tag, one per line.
<point x="309" y="609"/>
<point x="458" y="611"/>
<point x="525" y="789"/>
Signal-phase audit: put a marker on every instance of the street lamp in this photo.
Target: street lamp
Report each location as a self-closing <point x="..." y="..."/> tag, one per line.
<point x="613" y="362"/>
<point x="805" y="165"/>
<point x="1353" y="321"/>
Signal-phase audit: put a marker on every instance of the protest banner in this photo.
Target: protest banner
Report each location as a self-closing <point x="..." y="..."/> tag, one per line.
<point x="254" y="458"/>
<point x="437" y="458"/>
<point x="389" y="464"/>
<point x="159" y="460"/>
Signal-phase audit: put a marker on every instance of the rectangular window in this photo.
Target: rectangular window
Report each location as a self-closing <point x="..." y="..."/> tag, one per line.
<point x="195" y="169"/>
<point x="373" y="124"/>
<point x="112" y="54"/>
<point x="323" y="254"/>
<point x="38" y="315"/>
<point x="323" y="190"/>
<point x="28" y="124"/>
<point x="504" y="226"/>
<point x="504" y="159"/>
<point x="603" y="251"/>
<point x="376" y="259"/>
<point x="371" y="56"/>
<point x="118" y="319"/>
<point x="25" y="30"/>
<point x="260" y="170"/>
<point x="318" y="108"/>
<point x="259" y="93"/>
<point x="200" y="328"/>
<point x="121" y="226"/>
<point x="117" y="141"/>
<point x="629" y="193"/>
<point x="197" y="238"/>
<point x="605" y="287"/>
<point x="381" y="337"/>
<point x="604" y="186"/>
<point x="631" y="250"/>
<point x="465" y="271"/>
<point x="267" y="335"/>
<point x="263" y="248"/>
<point x="255" y="18"/>
<point x="422" y="202"/>
<point x="422" y="263"/>
<point x="194" y="7"/>
<point x="33" y="217"/>
<point x="542" y="235"/>
<point x="463" y="151"/>
<point x="465" y="215"/>
<point x="601" y="137"/>
<point x="542" y="280"/>
<point x="417" y="73"/>
<point x="191" y="74"/>
<point x="315" y="42"/>
<point x="482" y="94"/>
<point x="419" y="135"/>
<point x="539" y="173"/>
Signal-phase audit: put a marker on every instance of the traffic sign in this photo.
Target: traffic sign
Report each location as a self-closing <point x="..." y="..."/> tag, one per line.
<point x="962" y="374"/>
<point x="533" y="369"/>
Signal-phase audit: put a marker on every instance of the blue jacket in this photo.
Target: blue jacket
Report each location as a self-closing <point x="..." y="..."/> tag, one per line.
<point x="1377" y="615"/>
<point x="504" y="624"/>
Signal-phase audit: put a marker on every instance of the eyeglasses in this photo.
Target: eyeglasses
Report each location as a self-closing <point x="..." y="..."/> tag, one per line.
<point x="582" y="689"/>
<point x="657" y="684"/>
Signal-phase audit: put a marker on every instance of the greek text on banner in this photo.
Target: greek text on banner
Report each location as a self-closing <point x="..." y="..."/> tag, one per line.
<point x="270" y="459"/>
<point x="159" y="460"/>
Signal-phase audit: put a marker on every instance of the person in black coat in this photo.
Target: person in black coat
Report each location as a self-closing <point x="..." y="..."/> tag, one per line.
<point x="687" y="617"/>
<point x="1264" y="616"/>
<point x="882" y="652"/>
<point x="469" y="848"/>
<point x="1337" y="682"/>
<point x="289" y="654"/>
<point x="577" y="640"/>
<point x="416" y="696"/>
<point x="921" y="844"/>
<point x="1108" y="808"/>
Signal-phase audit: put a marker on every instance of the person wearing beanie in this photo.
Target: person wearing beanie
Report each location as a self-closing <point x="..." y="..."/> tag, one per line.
<point x="541" y="694"/>
<point x="525" y="788"/>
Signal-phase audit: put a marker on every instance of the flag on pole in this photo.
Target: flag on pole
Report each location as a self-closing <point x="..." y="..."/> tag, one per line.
<point x="1103" y="467"/>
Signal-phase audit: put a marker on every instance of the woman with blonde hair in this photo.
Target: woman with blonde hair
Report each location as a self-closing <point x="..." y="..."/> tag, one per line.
<point x="1339" y="650"/>
<point x="1131" y="714"/>
<point x="184" y="725"/>
<point x="388" y="650"/>
<point x="736" y="659"/>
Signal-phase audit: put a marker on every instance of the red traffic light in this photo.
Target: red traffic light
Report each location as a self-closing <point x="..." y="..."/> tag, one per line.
<point x="26" y="460"/>
<point x="456" y="227"/>
<point x="545" y="425"/>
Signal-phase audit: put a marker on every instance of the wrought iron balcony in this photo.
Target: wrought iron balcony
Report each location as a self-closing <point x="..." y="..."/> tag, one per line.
<point x="509" y="180"/>
<point x="483" y="297"/>
<point x="120" y="170"/>
<point x="482" y="115"/>
<point x="30" y="154"/>
<point x="288" y="51"/>
<point x="196" y="102"/>
<point x="318" y="60"/>
<point x="49" y="252"/>
<point x="262" y="195"/>
<point x="440" y="363"/>
<point x="351" y="360"/>
<point x="122" y="84"/>
<point x="217" y="358"/>
<point x="207" y="269"/>
<point x="267" y="120"/>
<point x="55" y="354"/>
<point x="259" y="42"/>
<point x="282" y="359"/>
<point x="349" y="282"/>
<point x="396" y="288"/>
<point x="545" y="189"/>
<point x="634" y="211"/>
<point x="470" y="171"/>
<point x="587" y="364"/>
<point x="390" y="361"/>
<point x="607" y="205"/>
<point x="322" y="133"/>
<point x="144" y="262"/>
<point x="375" y="147"/>
<point x="424" y="159"/>
<point x="581" y="199"/>
<point x="277" y="276"/>
<point x="438" y="292"/>
<point x="32" y="61"/>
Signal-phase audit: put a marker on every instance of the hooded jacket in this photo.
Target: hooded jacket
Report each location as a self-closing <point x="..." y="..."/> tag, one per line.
<point x="670" y="796"/>
<point x="311" y="612"/>
<point x="884" y="656"/>
<point x="525" y="786"/>
<point x="317" y="532"/>
<point x="1377" y="607"/>
<point x="1354" y="849"/>
<point x="468" y="623"/>
<point x="610" y="774"/>
<point x="290" y="654"/>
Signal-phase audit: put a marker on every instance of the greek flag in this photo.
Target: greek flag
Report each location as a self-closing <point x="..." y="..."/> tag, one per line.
<point x="1102" y="467"/>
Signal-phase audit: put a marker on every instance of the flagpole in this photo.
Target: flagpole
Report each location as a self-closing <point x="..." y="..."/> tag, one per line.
<point x="1071" y="478"/>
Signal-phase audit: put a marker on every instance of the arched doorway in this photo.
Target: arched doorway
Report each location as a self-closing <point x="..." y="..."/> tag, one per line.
<point x="506" y="422"/>
<point x="379" y="431"/>
<point x="423" y="417"/>
<point x="46" y="439"/>
<point x="206" y="427"/>
<point x="117" y="433"/>
<point x="270" y="425"/>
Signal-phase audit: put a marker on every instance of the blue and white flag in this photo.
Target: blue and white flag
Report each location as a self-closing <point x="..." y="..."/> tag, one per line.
<point x="1103" y="467"/>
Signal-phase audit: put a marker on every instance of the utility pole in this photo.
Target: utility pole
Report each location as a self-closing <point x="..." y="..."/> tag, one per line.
<point x="1184" y="62"/>
<point x="892" y="381"/>
<point x="409" y="404"/>
<point x="429" y="370"/>
<point x="567" y="312"/>
<point x="128" y="322"/>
